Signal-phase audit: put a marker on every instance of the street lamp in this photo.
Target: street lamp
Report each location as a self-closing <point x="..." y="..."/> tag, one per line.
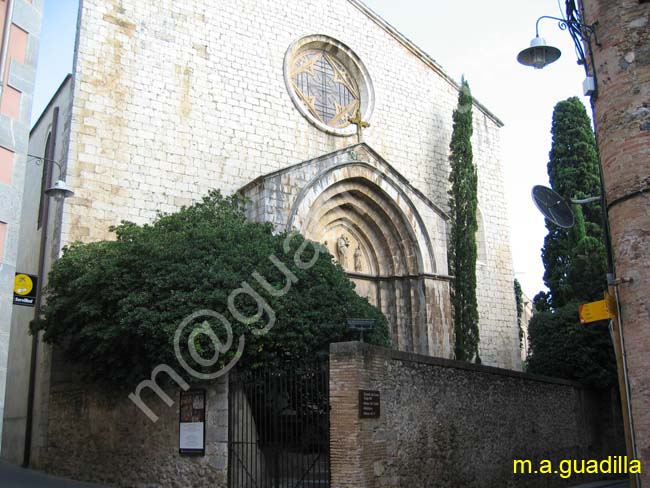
<point x="540" y="54"/>
<point x="60" y="190"/>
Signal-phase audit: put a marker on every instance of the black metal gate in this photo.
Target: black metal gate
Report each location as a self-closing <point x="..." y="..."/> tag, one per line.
<point x="279" y="429"/>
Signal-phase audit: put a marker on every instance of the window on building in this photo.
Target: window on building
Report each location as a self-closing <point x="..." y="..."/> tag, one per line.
<point x="42" y="196"/>
<point x="325" y="87"/>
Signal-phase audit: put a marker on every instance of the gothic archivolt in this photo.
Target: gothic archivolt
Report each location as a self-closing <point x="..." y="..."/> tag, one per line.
<point x="384" y="233"/>
<point x="371" y="213"/>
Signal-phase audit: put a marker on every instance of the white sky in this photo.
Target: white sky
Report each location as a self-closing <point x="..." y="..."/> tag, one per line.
<point x="473" y="37"/>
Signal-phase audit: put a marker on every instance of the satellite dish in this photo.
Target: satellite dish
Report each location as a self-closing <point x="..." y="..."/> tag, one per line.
<point x="553" y="206"/>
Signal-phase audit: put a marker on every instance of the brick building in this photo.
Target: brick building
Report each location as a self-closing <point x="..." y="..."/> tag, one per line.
<point x="622" y="119"/>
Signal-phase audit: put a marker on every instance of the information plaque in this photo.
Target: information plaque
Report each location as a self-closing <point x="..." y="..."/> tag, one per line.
<point x="369" y="404"/>
<point x="192" y="422"/>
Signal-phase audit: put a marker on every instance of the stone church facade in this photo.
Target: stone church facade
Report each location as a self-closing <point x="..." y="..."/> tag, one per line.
<point x="170" y="100"/>
<point x="174" y="100"/>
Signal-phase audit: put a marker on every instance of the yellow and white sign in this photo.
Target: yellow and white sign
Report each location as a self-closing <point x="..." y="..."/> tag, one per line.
<point x="597" y="311"/>
<point x="25" y="289"/>
<point x="23" y="284"/>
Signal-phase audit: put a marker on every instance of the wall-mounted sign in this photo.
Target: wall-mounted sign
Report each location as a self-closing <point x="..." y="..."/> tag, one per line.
<point x="364" y="325"/>
<point x="369" y="404"/>
<point x="25" y="289"/>
<point x="192" y="422"/>
<point x="594" y="312"/>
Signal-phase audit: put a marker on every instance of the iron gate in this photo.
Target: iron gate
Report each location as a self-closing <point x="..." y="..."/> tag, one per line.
<point x="279" y="429"/>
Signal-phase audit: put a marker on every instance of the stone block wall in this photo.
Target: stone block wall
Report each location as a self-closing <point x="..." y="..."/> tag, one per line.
<point x="450" y="424"/>
<point x="100" y="435"/>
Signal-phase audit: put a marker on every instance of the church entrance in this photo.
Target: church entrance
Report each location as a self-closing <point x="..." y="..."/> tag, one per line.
<point x="370" y="236"/>
<point x="279" y="429"/>
<point x="386" y="234"/>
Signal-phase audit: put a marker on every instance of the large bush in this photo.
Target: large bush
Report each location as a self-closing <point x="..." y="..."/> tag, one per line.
<point x="566" y="349"/>
<point x="115" y="306"/>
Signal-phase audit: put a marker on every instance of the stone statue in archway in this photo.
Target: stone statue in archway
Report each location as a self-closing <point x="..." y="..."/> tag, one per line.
<point x="357" y="259"/>
<point x="342" y="245"/>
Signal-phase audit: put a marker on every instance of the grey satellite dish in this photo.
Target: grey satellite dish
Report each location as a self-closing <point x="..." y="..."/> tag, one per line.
<point x="553" y="206"/>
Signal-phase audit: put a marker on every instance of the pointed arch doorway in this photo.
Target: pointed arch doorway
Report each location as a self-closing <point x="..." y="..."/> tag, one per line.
<point x="388" y="237"/>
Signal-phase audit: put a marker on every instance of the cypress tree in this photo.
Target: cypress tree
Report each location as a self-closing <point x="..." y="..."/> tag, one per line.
<point x="573" y="173"/>
<point x="462" y="247"/>
<point x="519" y="301"/>
<point x="574" y="261"/>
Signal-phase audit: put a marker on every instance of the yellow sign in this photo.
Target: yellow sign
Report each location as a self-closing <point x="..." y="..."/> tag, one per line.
<point x="23" y="284"/>
<point x="25" y="288"/>
<point x="594" y="311"/>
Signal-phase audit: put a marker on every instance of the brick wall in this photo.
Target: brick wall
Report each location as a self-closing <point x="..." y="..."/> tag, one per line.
<point x="622" y="116"/>
<point x="451" y="424"/>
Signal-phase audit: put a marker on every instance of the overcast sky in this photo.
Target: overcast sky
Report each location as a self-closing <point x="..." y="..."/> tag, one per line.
<point x="474" y="38"/>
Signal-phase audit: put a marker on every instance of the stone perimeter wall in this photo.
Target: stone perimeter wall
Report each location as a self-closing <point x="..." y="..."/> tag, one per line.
<point x="450" y="424"/>
<point x="172" y="99"/>
<point x="443" y="423"/>
<point x="101" y="436"/>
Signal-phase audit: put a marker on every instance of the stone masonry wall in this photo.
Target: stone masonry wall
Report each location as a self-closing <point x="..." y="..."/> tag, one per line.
<point x="450" y="424"/>
<point x="102" y="436"/>
<point x="175" y="98"/>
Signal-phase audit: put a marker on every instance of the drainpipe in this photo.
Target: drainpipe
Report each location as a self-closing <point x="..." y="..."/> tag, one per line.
<point x="48" y="166"/>
<point x="5" y="42"/>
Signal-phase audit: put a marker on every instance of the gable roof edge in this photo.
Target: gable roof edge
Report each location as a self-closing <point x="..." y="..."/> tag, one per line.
<point x="260" y="179"/>
<point x="419" y="53"/>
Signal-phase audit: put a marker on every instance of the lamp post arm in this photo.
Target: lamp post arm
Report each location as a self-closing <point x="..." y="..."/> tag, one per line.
<point x="562" y="23"/>
<point x="583" y="201"/>
<point x="40" y="159"/>
<point x="579" y="31"/>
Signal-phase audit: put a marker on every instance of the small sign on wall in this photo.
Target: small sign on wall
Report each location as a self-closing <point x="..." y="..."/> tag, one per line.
<point x="192" y="422"/>
<point x="369" y="404"/>
<point x="25" y="289"/>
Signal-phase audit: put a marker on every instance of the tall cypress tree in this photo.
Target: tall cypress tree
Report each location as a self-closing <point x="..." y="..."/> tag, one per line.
<point x="574" y="261"/>
<point x="462" y="247"/>
<point x="573" y="173"/>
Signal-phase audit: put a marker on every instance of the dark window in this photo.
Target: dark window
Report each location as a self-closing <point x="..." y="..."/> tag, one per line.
<point x="42" y="196"/>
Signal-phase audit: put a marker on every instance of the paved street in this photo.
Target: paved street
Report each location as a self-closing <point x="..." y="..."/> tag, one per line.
<point x="16" y="477"/>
